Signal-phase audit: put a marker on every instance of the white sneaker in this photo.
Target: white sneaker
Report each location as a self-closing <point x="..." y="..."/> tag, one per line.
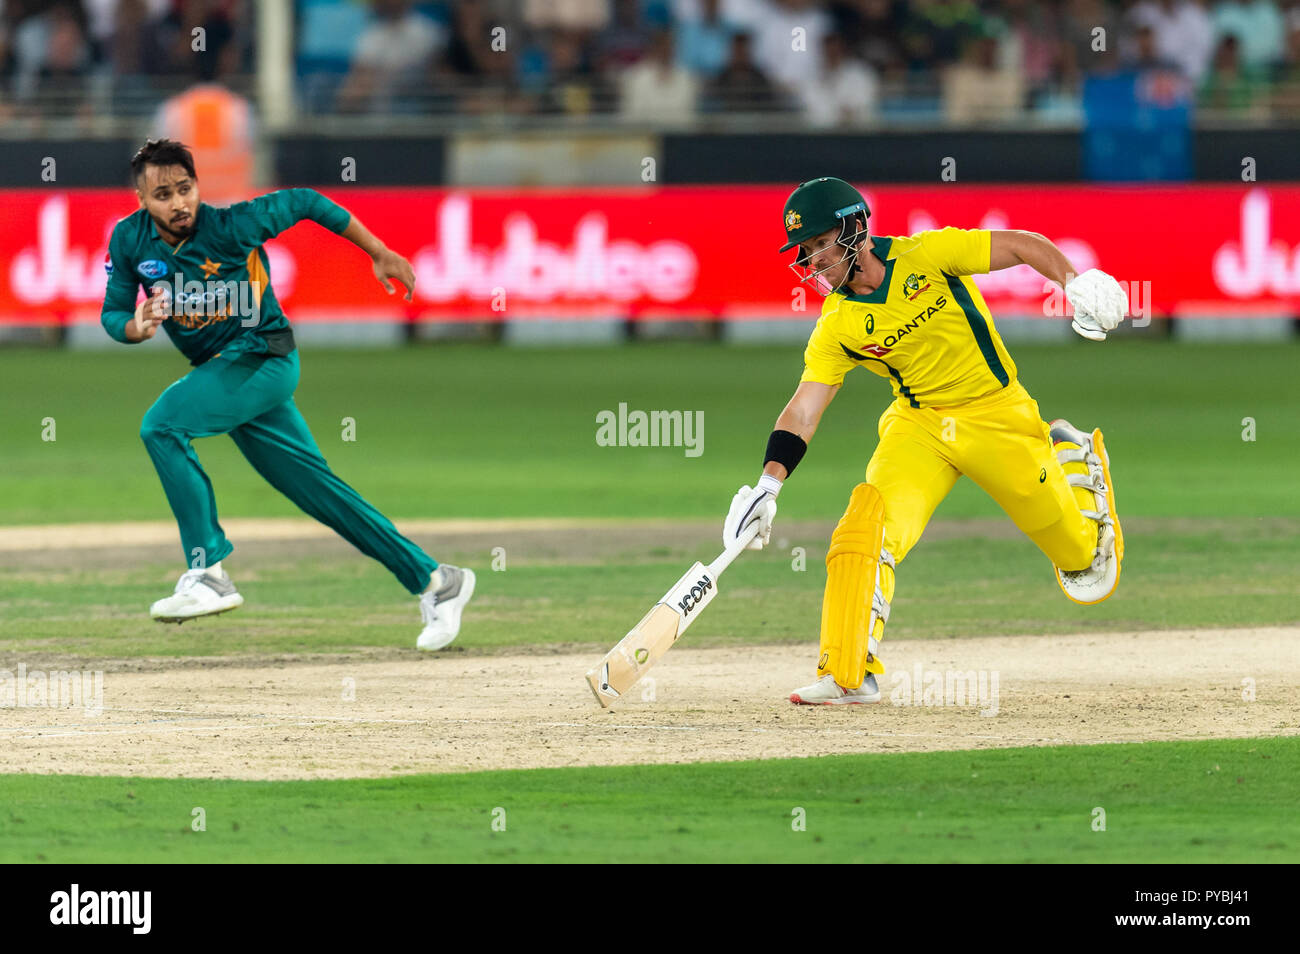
<point x="441" y="609"/>
<point x="198" y="593"/>
<point x="1097" y="581"/>
<point x="827" y="692"/>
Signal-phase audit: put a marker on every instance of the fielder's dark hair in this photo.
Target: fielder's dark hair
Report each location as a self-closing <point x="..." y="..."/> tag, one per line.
<point x="162" y="152"/>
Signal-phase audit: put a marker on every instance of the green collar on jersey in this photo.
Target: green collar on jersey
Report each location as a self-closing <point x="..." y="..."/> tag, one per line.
<point x="880" y="249"/>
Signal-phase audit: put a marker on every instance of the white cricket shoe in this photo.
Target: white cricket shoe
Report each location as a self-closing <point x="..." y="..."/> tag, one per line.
<point x="198" y="593"/>
<point x="827" y="692"/>
<point x="441" y="609"/>
<point x="1096" y="582"/>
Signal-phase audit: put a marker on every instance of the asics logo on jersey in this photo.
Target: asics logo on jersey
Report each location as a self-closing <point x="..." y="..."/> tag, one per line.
<point x="887" y="344"/>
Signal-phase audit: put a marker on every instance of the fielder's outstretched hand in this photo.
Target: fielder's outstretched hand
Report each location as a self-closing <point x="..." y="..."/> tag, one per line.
<point x="389" y="265"/>
<point x="749" y="505"/>
<point x="1098" y="301"/>
<point x="149" y="314"/>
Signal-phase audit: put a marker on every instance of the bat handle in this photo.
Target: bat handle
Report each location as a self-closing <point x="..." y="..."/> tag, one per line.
<point x="724" y="559"/>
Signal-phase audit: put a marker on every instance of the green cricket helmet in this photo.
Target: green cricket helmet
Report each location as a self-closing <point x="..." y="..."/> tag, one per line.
<point x="818" y="205"/>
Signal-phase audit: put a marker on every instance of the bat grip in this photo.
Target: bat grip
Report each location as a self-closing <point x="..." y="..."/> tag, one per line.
<point x="724" y="559"/>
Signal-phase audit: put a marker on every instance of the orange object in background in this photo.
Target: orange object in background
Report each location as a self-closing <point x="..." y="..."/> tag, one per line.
<point x="217" y="125"/>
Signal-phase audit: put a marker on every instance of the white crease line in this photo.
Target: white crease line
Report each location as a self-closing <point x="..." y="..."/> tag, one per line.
<point x="174" y="728"/>
<point x="90" y="729"/>
<point x="899" y="735"/>
<point x="77" y="732"/>
<point x="256" y="722"/>
<point x="511" y="722"/>
<point x="260" y="721"/>
<point x="26" y="729"/>
<point x="823" y="730"/>
<point x="190" y="715"/>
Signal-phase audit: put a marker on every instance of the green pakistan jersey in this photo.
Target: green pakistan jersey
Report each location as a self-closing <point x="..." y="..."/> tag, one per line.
<point x="219" y="277"/>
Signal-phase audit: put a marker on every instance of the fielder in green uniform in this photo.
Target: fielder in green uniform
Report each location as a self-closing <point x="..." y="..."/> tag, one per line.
<point x="208" y="284"/>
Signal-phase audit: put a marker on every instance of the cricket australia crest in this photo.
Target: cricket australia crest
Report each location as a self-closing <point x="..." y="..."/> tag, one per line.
<point x="914" y="285"/>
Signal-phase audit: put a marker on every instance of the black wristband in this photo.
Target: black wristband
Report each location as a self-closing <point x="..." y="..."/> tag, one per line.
<point x="786" y="449"/>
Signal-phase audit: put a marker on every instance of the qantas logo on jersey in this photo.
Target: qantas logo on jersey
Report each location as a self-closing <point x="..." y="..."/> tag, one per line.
<point x="890" y="340"/>
<point x="908" y="327"/>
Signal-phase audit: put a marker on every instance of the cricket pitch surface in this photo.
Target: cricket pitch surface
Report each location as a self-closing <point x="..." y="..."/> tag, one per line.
<point x="396" y="712"/>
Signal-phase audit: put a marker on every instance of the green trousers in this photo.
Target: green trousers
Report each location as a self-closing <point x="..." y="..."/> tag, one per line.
<point x="250" y="397"/>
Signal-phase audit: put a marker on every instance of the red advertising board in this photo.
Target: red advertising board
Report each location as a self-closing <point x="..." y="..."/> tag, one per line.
<point x="681" y="252"/>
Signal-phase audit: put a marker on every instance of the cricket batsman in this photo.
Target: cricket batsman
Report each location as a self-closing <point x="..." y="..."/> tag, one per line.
<point x="906" y="308"/>
<point x="208" y="284"/>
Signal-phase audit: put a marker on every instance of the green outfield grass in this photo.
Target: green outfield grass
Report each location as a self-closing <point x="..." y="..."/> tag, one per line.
<point x="473" y="431"/>
<point x="478" y="431"/>
<point x="1212" y="531"/>
<point x="333" y="599"/>
<point x="1211" y="801"/>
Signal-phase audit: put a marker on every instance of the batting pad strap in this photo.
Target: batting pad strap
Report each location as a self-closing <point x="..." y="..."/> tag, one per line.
<point x="880" y="605"/>
<point x="787" y="449"/>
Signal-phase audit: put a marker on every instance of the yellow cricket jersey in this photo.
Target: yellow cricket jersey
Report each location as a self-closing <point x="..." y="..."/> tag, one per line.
<point x="926" y="327"/>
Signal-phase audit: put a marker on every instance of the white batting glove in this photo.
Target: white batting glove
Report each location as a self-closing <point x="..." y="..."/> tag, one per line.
<point x="751" y="504"/>
<point x="1098" y="301"/>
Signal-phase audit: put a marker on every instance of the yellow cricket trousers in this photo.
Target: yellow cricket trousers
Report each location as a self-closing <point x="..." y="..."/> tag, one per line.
<point x="998" y="441"/>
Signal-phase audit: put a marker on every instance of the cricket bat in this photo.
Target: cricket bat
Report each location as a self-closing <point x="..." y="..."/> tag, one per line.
<point x="662" y="626"/>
